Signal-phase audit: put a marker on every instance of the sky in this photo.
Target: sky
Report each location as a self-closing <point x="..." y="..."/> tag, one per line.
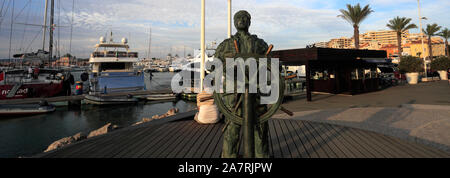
<point x="175" y="24"/>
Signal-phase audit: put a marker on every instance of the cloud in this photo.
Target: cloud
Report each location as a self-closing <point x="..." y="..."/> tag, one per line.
<point x="176" y="23"/>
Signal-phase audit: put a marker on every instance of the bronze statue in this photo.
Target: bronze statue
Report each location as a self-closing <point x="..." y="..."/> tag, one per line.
<point x="243" y="43"/>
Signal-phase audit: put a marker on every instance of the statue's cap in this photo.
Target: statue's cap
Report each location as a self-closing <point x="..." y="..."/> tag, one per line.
<point x="242" y="13"/>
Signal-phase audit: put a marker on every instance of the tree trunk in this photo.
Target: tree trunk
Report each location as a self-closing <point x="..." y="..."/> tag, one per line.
<point x="356" y="36"/>
<point x="446" y="48"/>
<point x="430" y="46"/>
<point x="399" y="43"/>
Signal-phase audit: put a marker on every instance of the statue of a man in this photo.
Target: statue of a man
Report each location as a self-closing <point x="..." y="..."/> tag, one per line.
<point x="246" y="44"/>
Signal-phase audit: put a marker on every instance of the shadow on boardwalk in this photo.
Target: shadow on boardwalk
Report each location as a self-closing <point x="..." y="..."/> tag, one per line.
<point x="181" y="137"/>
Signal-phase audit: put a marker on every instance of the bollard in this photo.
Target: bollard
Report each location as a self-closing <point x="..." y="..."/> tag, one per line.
<point x="78" y="88"/>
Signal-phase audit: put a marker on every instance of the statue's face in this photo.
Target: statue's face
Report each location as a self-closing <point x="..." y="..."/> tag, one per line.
<point x="242" y="22"/>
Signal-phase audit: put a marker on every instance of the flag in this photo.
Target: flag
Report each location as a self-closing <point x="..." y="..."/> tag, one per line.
<point x="2" y="76"/>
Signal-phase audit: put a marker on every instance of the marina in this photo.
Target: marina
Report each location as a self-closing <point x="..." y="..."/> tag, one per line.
<point x="181" y="137"/>
<point x="309" y="133"/>
<point x="66" y="119"/>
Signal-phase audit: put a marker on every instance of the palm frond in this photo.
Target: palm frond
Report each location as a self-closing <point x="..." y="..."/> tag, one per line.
<point x="400" y="24"/>
<point x="445" y="33"/>
<point x="354" y="14"/>
<point x="431" y="29"/>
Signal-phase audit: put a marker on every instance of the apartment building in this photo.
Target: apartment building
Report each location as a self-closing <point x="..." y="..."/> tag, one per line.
<point x="384" y="37"/>
<point x="321" y="44"/>
<point x="438" y="48"/>
<point x="341" y="43"/>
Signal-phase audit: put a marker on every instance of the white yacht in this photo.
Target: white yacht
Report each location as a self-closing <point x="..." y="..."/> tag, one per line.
<point x="112" y="68"/>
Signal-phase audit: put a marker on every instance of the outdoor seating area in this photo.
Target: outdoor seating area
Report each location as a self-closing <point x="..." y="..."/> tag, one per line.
<point x="335" y="70"/>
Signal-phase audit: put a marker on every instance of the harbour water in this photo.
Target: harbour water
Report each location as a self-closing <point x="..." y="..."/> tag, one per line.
<point x="27" y="136"/>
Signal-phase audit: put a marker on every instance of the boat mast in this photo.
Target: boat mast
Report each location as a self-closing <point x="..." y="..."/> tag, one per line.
<point x="45" y="25"/>
<point x="58" y="49"/>
<point x="50" y="47"/>
<point x="71" y="28"/>
<point x="149" y="43"/>
<point x="11" y="32"/>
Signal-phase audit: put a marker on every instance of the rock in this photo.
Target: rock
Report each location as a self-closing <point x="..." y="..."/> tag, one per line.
<point x="65" y="141"/>
<point x="103" y="130"/>
<point x="79" y="136"/>
<point x="171" y="112"/>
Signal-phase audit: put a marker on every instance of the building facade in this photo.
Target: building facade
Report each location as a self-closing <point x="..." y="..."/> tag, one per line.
<point x="340" y="43"/>
<point x="321" y="44"/>
<point x="384" y="37"/>
<point x="438" y="49"/>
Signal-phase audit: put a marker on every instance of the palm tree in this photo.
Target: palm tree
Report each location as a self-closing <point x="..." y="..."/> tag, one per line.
<point x="400" y="24"/>
<point x="355" y="15"/>
<point x="431" y="31"/>
<point x="445" y="33"/>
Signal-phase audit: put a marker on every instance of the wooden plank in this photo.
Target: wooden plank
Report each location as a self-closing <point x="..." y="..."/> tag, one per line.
<point x="316" y="145"/>
<point x="289" y="139"/>
<point x="395" y="151"/>
<point x="214" y="145"/>
<point x="330" y="140"/>
<point x="183" y="149"/>
<point x="218" y="148"/>
<point x="108" y="147"/>
<point x="137" y="148"/>
<point x="139" y="142"/>
<point x="379" y="145"/>
<point x="363" y="148"/>
<point x="215" y="131"/>
<point x="128" y="141"/>
<point x="285" y="152"/>
<point x="301" y="150"/>
<point x="274" y="138"/>
<point x="116" y="145"/>
<point x="368" y="144"/>
<point x="303" y="134"/>
<point x="322" y="142"/>
<point x="81" y="149"/>
<point x="340" y="142"/>
<point x="270" y="142"/>
<point x="166" y="141"/>
<point x="202" y="140"/>
<point x="166" y="126"/>
<point x="354" y="148"/>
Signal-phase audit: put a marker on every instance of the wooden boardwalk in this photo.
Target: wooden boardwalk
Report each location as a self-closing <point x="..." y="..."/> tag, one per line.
<point x="184" y="138"/>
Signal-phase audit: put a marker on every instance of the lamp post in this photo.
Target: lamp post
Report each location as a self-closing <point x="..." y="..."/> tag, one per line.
<point x="229" y="18"/>
<point x="421" y="37"/>
<point x="202" y="48"/>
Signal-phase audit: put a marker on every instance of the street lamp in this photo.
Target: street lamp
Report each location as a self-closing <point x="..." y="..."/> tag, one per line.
<point x="229" y="18"/>
<point x="421" y="37"/>
<point x="202" y="47"/>
<point x="202" y="39"/>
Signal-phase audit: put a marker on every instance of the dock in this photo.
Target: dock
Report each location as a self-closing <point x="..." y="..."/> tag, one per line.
<point x="81" y="97"/>
<point x="180" y="136"/>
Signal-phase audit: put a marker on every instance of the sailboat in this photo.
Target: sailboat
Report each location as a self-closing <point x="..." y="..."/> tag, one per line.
<point x="33" y="81"/>
<point x="41" y="55"/>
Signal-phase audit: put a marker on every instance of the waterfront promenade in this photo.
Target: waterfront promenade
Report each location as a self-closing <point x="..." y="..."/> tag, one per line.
<point x="305" y="135"/>
<point x="416" y="113"/>
<point x="181" y="137"/>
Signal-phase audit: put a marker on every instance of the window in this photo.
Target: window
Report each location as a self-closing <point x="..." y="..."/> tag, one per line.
<point x="321" y="74"/>
<point x="112" y="66"/>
